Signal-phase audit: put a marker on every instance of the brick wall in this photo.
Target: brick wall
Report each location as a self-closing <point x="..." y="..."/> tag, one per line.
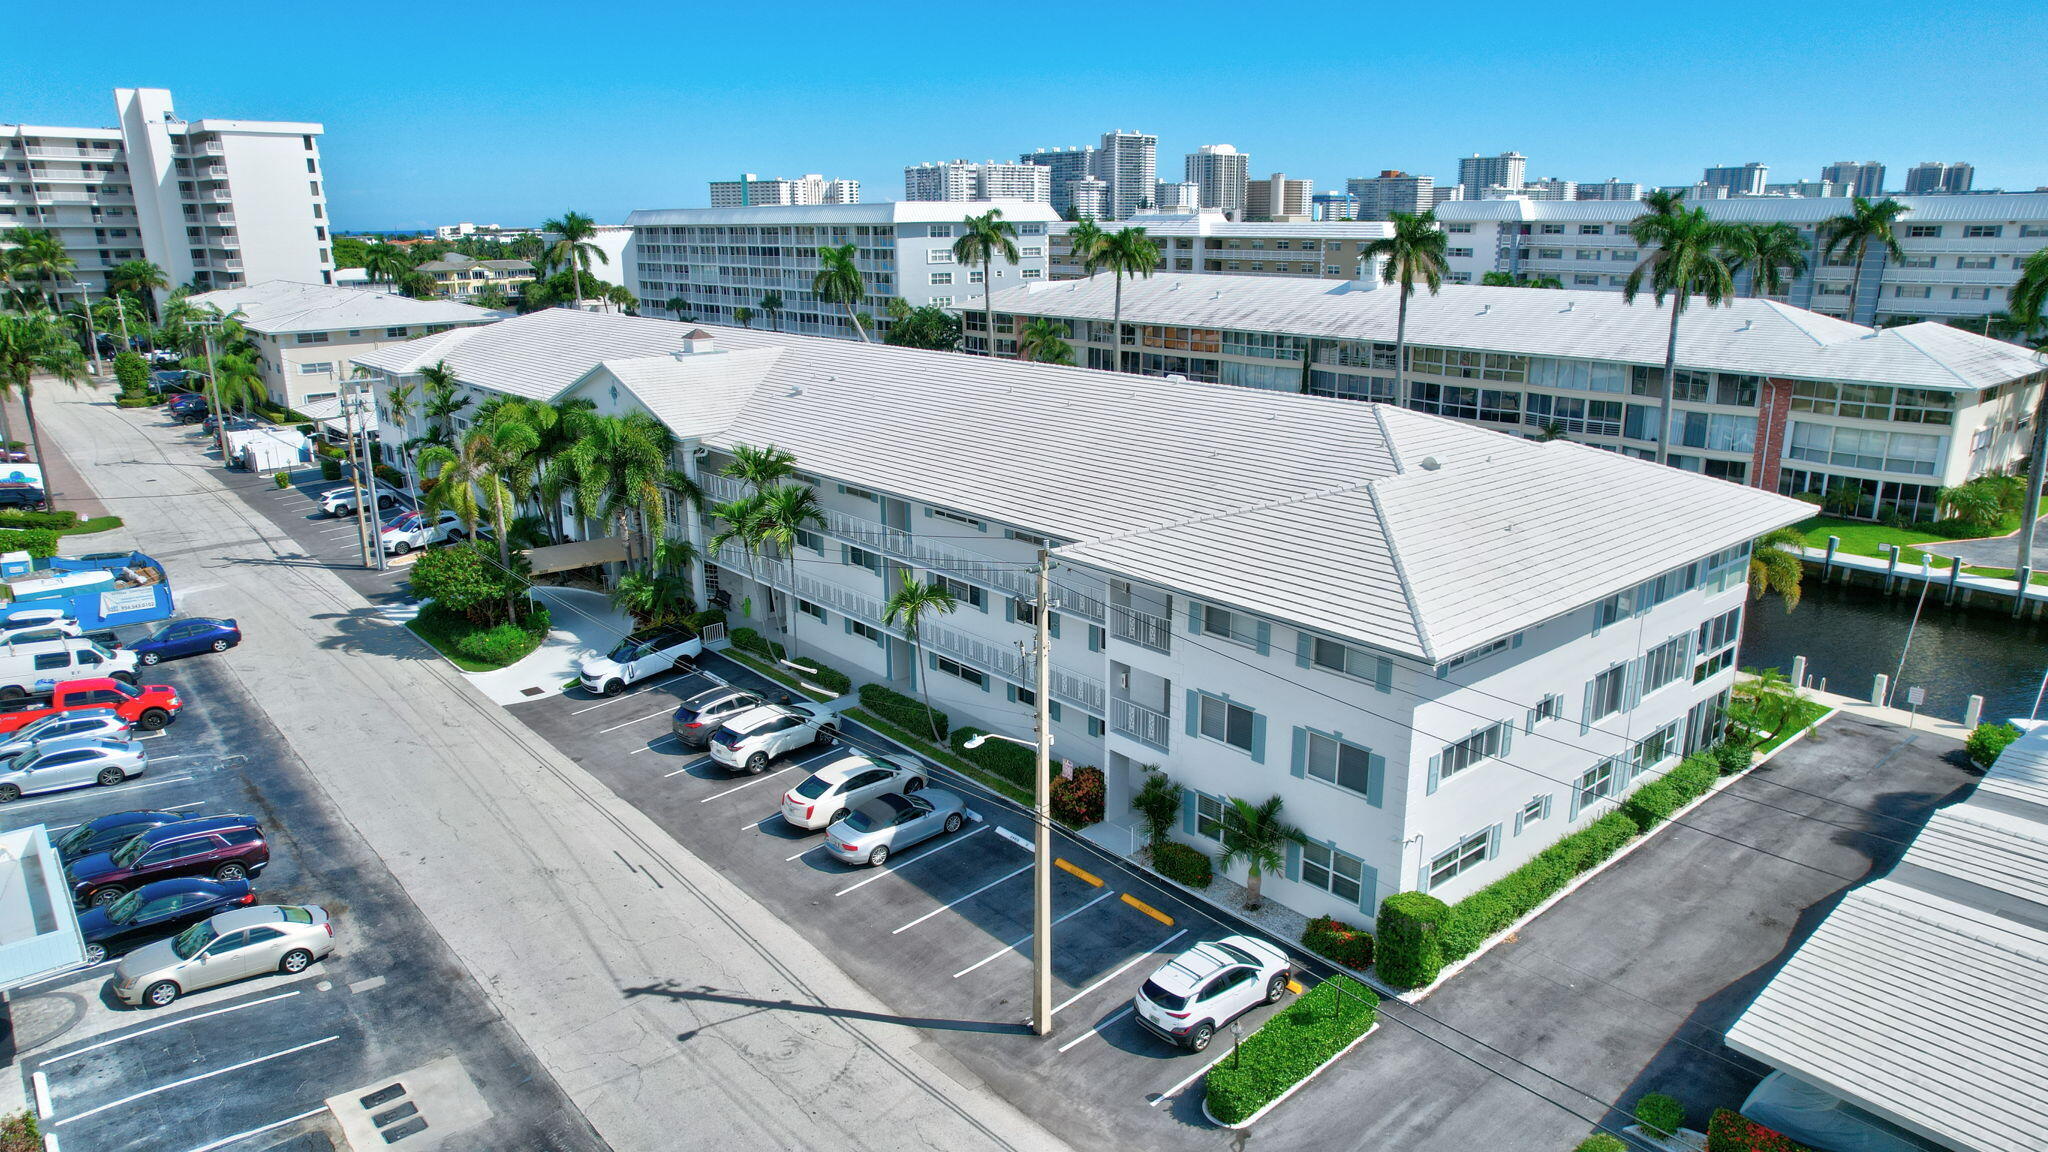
<point x="1771" y="428"/>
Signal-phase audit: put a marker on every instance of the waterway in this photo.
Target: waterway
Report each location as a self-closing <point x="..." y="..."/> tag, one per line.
<point x="1848" y="635"/>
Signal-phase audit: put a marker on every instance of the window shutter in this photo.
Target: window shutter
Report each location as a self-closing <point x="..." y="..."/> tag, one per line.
<point x="1010" y="609"/>
<point x="1443" y="670"/>
<point x="1194" y="618"/>
<point x="1518" y="821"/>
<point x="1293" y="861"/>
<point x="1546" y="805"/>
<point x="1586" y="708"/>
<point x="1011" y="691"/>
<point x="1300" y="767"/>
<point x="1368" y="889"/>
<point x="1188" y="812"/>
<point x="1097" y="637"/>
<point x="1383" y="674"/>
<point x="1194" y="712"/>
<point x="1516" y="642"/>
<point x="1304" y="644"/>
<point x="1258" y="738"/>
<point x="1493" y="842"/>
<point x="1375" y="779"/>
<point x="849" y="625"/>
<point x="1265" y="638"/>
<point x="1052" y="625"/>
<point x="1507" y="739"/>
<point x="1529" y="725"/>
<point x="1436" y="767"/>
<point x="1572" y="813"/>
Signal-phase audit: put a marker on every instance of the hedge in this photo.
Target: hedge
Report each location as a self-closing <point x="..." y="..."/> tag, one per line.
<point x="1733" y="1132"/>
<point x="1347" y="944"/>
<point x="1987" y="741"/>
<point x="1516" y="894"/>
<point x="748" y="640"/>
<point x="40" y="543"/>
<point x="1602" y="1142"/>
<point x="137" y="401"/>
<point x="1290" y="1047"/>
<point x="905" y="712"/>
<point x="22" y="518"/>
<point x="1012" y="762"/>
<point x="1410" y="944"/>
<point x="506" y="643"/>
<point x="1078" y="802"/>
<point x="699" y="621"/>
<point x="330" y="468"/>
<point x="1653" y="803"/>
<point x="1183" y="864"/>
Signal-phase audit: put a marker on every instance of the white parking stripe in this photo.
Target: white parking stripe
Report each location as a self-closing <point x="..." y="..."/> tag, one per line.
<point x="805" y="852"/>
<point x="963" y="899"/>
<point x="79" y="795"/>
<point x="630" y="723"/>
<point x="1197" y="1074"/>
<point x="686" y="767"/>
<point x="1019" y="942"/>
<point x="167" y="1024"/>
<point x="1120" y="1013"/>
<point x="195" y="1079"/>
<point x="896" y="862"/>
<point x="652" y="745"/>
<point x="1120" y="970"/>
<point x="761" y="779"/>
<point x="227" y="1140"/>
<point x="649" y="687"/>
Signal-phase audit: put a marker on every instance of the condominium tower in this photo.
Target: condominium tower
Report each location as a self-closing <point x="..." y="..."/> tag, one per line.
<point x="1208" y="241"/>
<point x="1066" y="166"/>
<point x="1222" y="173"/>
<point x="1128" y="162"/>
<point x="988" y="180"/>
<point x="1934" y="176"/>
<point x="1864" y="179"/>
<point x="1391" y="191"/>
<point x="1278" y="198"/>
<point x="1737" y="179"/>
<point x="1478" y="173"/>
<point x="753" y="191"/>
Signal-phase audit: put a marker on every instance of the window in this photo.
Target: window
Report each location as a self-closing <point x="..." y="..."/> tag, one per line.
<point x="1222" y="622"/>
<point x="1332" y="656"/>
<point x="1484" y="650"/>
<point x="310" y="338"/>
<point x="938" y="256"/>
<point x="942" y="278"/>
<point x="1489" y="741"/>
<point x="1030" y="273"/>
<point x="1664" y="664"/>
<point x="1585" y="254"/>
<point x="1459" y="229"/>
<point x="864" y="631"/>
<point x="1209" y="817"/>
<point x="1592" y="229"/>
<point x="1969" y="293"/>
<point x="1877" y="451"/>
<point x="1334" y="872"/>
<point x="1549" y="708"/>
<point x="395" y="333"/>
<point x="957" y="518"/>
<point x="1983" y="231"/>
<point x="862" y="558"/>
<point x="1468" y="854"/>
<point x="1923" y="231"/>
<point x="1233" y="724"/>
<point x="940" y="231"/>
<point x="1537" y="809"/>
<point x="1913" y="291"/>
<point x="1604" y="693"/>
<point x="856" y="493"/>
<point x="1459" y="252"/>
<point x="316" y="369"/>
<point x="1654" y="749"/>
<point x="806" y="538"/>
<point x="960" y="671"/>
<point x="1339" y="762"/>
<point x="812" y="610"/>
<point x="965" y="593"/>
<point x="1977" y="262"/>
<point x="1596" y="782"/>
<point x="1030" y="253"/>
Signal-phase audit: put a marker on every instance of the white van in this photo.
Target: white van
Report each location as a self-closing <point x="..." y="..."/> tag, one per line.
<point x="40" y="665"/>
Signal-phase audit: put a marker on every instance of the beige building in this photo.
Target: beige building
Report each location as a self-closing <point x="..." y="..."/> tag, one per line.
<point x="1278" y="198"/>
<point x="460" y="277"/>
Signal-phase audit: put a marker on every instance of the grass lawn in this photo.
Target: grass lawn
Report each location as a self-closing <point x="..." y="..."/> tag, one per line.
<point x="1864" y="538"/>
<point x="88" y="527"/>
<point x="445" y="630"/>
<point x="1810" y="711"/>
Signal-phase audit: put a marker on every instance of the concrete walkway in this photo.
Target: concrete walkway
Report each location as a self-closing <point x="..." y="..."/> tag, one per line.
<point x="584" y="621"/>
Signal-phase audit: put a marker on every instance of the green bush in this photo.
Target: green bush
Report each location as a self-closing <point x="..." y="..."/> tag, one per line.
<point x="1012" y="762"/>
<point x="23" y="518"/>
<point x="137" y="401"/>
<point x="1987" y="741"/>
<point x="1734" y="1132"/>
<point x="1732" y="757"/>
<point x="1183" y="864"/>
<point x="20" y="1133"/>
<point x="330" y="468"/>
<point x="40" y="543"/>
<point x="1409" y="948"/>
<point x="1516" y="894"/>
<point x="389" y="475"/>
<point x="1077" y="802"/>
<point x="466" y="579"/>
<point x="502" y="644"/>
<point x="1653" y="803"/>
<point x="132" y="372"/>
<point x="1346" y="944"/>
<point x="825" y="676"/>
<point x="1661" y="1114"/>
<point x="331" y="451"/>
<point x="699" y="621"/>
<point x="905" y="712"/>
<point x="1602" y="1142"/>
<point x="748" y="640"/>
<point x="284" y="480"/>
<point x="1290" y="1047"/>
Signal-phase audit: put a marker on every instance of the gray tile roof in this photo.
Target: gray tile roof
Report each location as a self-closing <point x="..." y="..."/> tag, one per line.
<point x="537" y="355"/>
<point x="276" y="306"/>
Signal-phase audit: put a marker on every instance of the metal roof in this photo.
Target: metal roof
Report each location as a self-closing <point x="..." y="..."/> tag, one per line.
<point x="1751" y="336"/>
<point x="876" y="212"/>
<point x="536" y="355"/>
<point x="1988" y="207"/>
<point x="1214" y="223"/>
<point x="276" y="306"/>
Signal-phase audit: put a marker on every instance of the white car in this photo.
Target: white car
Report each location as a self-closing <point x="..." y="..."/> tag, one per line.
<point x="410" y="530"/>
<point x="104" y="723"/>
<point x="1208" y="986"/>
<point x="751" y="739"/>
<point x="227" y="947"/>
<point x="342" y="500"/>
<point x="648" y="652"/>
<point x="38" y="620"/>
<point x="830" y="794"/>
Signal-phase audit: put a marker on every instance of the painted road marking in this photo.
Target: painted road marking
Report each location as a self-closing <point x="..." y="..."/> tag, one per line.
<point x="686" y="767"/>
<point x="804" y="853"/>
<point x="1093" y="880"/>
<point x="1197" y="1074"/>
<point x="1148" y="910"/>
<point x="195" y="1079"/>
<point x="1126" y="1010"/>
<point x="896" y="862"/>
<point x="636" y="720"/>
<point x="649" y="687"/>
<point x="1013" y="945"/>
<point x="168" y="1024"/>
<point x="1013" y="838"/>
<point x="1120" y="970"/>
<point x="963" y="899"/>
<point x="227" y="1140"/>
<point x="761" y="779"/>
<point x="652" y="745"/>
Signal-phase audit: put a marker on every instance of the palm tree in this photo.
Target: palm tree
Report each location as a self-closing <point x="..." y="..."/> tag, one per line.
<point x="1126" y="252"/>
<point x="1853" y="234"/>
<point x="2028" y="311"/>
<point x="675" y="306"/>
<point x="572" y="248"/>
<point x="1775" y="565"/>
<point x="985" y="237"/>
<point x="1045" y="340"/>
<point x="654" y="596"/>
<point x="912" y="601"/>
<point x="139" y="278"/>
<point x="39" y="255"/>
<point x="33" y="344"/>
<point x="840" y="282"/>
<point x="1774" y="254"/>
<point x="741" y="523"/>
<point x="1084" y="244"/>
<point x="788" y="511"/>
<point x="238" y="381"/>
<point x="443" y="400"/>
<point x="619" y="465"/>
<point x="386" y="262"/>
<point x="1664" y="202"/>
<point x="1765" y="702"/>
<point x="1255" y="834"/>
<point x="480" y="478"/>
<point x="760" y="468"/>
<point x="771" y="306"/>
<point x="1684" y="260"/>
<point x="1416" y="249"/>
<point x="743" y="316"/>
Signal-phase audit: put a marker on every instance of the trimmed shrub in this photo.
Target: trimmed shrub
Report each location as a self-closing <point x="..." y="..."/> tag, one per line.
<point x="1344" y="943"/>
<point x="1660" y="1114"/>
<point x="1987" y="741"/>
<point x="752" y="642"/>
<point x="1733" y="1132"/>
<point x="388" y="474"/>
<point x="1602" y="1142"/>
<point x="132" y="372"/>
<point x="1183" y="864"/>
<point x="1732" y="758"/>
<point x="284" y="480"/>
<point x="1290" y="1047"/>
<point x="20" y="1133"/>
<point x="1012" y="762"/>
<point x="331" y="451"/>
<point x="330" y="468"/>
<point x="1410" y="951"/>
<point x="40" y="543"/>
<point x="698" y="621"/>
<point x="905" y="712"/>
<point x="825" y="676"/>
<point x="1516" y="894"/>
<point x="23" y="518"/>
<point x="1078" y="802"/>
<point x="502" y="644"/>
<point x="1653" y="803"/>
<point x="137" y="401"/>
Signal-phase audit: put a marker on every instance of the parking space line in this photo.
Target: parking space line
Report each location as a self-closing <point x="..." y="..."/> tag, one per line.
<point x="1148" y="910"/>
<point x="685" y="768"/>
<point x="195" y="1079"/>
<point x="1198" y="1073"/>
<point x="650" y="747"/>
<point x="167" y="1024"/>
<point x="79" y="795"/>
<point x="1013" y="945"/>
<point x="1120" y="970"/>
<point x="963" y="899"/>
<point x="1120" y="1013"/>
<point x="649" y="687"/>
<point x="636" y="720"/>
<point x="1091" y="878"/>
<point x="227" y="1140"/>
<point x="805" y="852"/>
<point x="885" y="869"/>
<point x="761" y="779"/>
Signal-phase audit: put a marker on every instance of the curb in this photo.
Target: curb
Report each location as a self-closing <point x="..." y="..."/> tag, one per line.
<point x="1298" y="1085"/>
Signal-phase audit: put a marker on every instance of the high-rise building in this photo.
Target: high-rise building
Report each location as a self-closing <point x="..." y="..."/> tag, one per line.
<point x="1088" y="198"/>
<point x="1445" y="194"/>
<point x="1207" y="241"/>
<point x="751" y="191"/>
<point x="1129" y="163"/>
<point x="1334" y="206"/>
<point x="1738" y="179"/>
<point x="1551" y="189"/>
<point x="1478" y="173"/>
<point x="1611" y="189"/>
<point x="962" y="180"/>
<point x="1177" y="196"/>
<point x="1065" y="165"/>
<point x="1222" y="173"/>
<point x="1278" y="198"/>
<point x="1391" y="191"/>
<point x="217" y="203"/>
<point x="1805" y="188"/>
<point x="1865" y="179"/>
<point x="1934" y="176"/>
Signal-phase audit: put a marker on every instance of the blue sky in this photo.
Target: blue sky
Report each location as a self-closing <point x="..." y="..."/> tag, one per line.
<point x="511" y="112"/>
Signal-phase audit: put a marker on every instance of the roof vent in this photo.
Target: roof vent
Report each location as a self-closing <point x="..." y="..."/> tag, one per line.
<point x="1485" y="308"/>
<point x="1570" y="304"/>
<point x="697" y="340"/>
<point x="1176" y="377"/>
<point x="796" y="390"/>
<point x="1745" y="325"/>
<point x="1431" y="463"/>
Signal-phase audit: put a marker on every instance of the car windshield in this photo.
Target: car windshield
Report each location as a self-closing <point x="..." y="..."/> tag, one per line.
<point x="813" y="788"/>
<point x="294" y="914"/>
<point x="625" y="651"/>
<point x="1171" y="1001"/>
<point x="74" y="839"/>
<point x="164" y="632"/>
<point x="128" y="853"/>
<point x="862" y="822"/>
<point x="123" y="910"/>
<point x="127" y="689"/>
<point x="1233" y="951"/>
<point x="188" y="943"/>
<point x="103" y="653"/>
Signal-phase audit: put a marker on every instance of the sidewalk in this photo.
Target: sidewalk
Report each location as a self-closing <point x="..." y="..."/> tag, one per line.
<point x="584" y="621"/>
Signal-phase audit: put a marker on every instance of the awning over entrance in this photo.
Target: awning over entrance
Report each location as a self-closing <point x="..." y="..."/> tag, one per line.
<point x="576" y="554"/>
<point x="38" y="926"/>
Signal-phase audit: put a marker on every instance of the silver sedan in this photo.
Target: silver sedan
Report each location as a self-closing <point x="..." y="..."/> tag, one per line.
<point x="892" y="823"/>
<point x="101" y="722"/>
<point x="47" y="767"/>
<point x="224" y="948"/>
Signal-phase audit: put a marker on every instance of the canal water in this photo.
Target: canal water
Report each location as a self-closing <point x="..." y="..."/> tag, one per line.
<point x="1848" y="635"/>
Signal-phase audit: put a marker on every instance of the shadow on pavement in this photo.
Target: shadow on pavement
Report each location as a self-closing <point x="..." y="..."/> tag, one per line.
<point x="710" y="995"/>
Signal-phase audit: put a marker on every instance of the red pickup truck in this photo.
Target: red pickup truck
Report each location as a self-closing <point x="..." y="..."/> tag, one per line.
<point x="148" y="707"/>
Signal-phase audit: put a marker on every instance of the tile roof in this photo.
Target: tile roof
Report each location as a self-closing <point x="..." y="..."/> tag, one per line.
<point x="536" y="355"/>
<point x="288" y="306"/>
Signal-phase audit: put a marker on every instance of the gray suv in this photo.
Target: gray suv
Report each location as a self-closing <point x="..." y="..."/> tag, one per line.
<point x="701" y="715"/>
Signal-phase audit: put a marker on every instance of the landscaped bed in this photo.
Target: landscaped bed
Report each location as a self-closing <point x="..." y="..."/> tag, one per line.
<point x="475" y="647"/>
<point x="1289" y="1048"/>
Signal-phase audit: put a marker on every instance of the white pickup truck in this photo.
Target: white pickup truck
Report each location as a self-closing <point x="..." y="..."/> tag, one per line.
<point x="648" y="652"/>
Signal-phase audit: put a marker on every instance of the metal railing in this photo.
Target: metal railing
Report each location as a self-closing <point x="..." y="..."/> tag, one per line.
<point x="1141" y="627"/>
<point x="1140" y="723"/>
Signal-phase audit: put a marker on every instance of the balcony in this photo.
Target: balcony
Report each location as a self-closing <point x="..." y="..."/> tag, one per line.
<point x="1141" y="628"/>
<point x="104" y="155"/>
<point x="224" y="242"/>
<point x="1140" y="723"/>
<point x="232" y="263"/>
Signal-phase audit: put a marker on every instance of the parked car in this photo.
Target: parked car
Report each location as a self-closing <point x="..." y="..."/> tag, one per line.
<point x="751" y="739"/>
<point x="648" y="652"/>
<point x="189" y="408"/>
<point x="224" y="948"/>
<point x="23" y="496"/>
<point x="701" y="715"/>
<point x="37" y="620"/>
<point x="40" y="665"/>
<point x="412" y="529"/>
<point x="342" y="501"/>
<point x="830" y="794"/>
<point x="165" y="358"/>
<point x="148" y="707"/>
<point x="893" y="822"/>
<point x="100" y="723"/>
<point x="172" y="380"/>
<point x="1208" y="986"/>
<point x="52" y="766"/>
<point x="156" y="910"/>
<point x="187" y="638"/>
<point x="223" y="847"/>
<point x="106" y="833"/>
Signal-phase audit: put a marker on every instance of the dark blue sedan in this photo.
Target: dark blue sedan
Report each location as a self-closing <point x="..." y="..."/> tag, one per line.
<point x="154" y="911"/>
<point x="187" y="638"/>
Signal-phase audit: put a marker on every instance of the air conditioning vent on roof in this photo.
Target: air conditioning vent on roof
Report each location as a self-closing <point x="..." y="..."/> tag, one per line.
<point x="1431" y="463"/>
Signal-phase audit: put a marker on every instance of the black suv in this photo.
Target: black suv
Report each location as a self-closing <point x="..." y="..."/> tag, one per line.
<point x="223" y="847"/>
<point x="22" y="496"/>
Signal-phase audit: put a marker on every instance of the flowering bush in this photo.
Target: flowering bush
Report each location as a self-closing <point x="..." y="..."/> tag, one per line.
<point x="1078" y="802"/>
<point x="1347" y="945"/>
<point x="1734" y="1132"/>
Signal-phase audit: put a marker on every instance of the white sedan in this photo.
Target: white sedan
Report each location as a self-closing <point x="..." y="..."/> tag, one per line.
<point x="410" y="530"/>
<point x="648" y="652"/>
<point x="1208" y="986"/>
<point x="830" y="794"/>
<point x="228" y="947"/>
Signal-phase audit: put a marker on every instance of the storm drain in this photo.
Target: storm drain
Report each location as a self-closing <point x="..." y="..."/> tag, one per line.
<point x="418" y="1110"/>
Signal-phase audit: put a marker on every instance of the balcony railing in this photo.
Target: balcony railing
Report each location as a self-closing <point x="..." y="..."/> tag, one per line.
<point x="1140" y="723"/>
<point x="1141" y="627"/>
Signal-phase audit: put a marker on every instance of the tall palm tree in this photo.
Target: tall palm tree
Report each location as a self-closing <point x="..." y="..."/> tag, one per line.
<point x="238" y="381"/>
<point x="1045" y="340"/>
<point x="1853" y="234"/>
<point x="620" y="465"/>
<point x="2027" y="313"/>
<point x="1664" y="202"/>
<point x="572" y="248"/>
<point x="386" y="262"/>
<point x="760" y="468"/>
<point x="138" y="278"/>
<point x="907" y="608"/>
<point x="1415" y="250"/>
<point x="442" y="400"/>
<point x="984" y="238"/>
<point x="787" y="512"/>
<point x="480" y="477"/>
<point x="743" y="316"/>
<point x="1255" y="834"/>
<point x="1774" y="254"/>
<point x="839" y="281"/>
<point x="740" y="522"/>
<point x="1084" y="244"/>
<point x="40" y="256"/>
<point x="35" y="344"/>
<point x="771" y="306"/>
<point x="1126" y="252"/>
<point x="1684" y="260"/>
<point x="1776" y="565"/>
<point x="676" y="305"/>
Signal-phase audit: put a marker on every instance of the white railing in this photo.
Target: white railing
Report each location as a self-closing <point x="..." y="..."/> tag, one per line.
<point x="1139" y="723"/>
<point x="1141" y="627"/>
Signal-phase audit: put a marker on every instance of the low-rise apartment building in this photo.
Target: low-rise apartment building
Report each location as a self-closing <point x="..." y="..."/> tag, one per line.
<point x="1961" y="254"/>
<point x="1382" y="616"/>
<point x="1208" y="241"/>
<point x="1766" y="394"/>
<point x="460" y="277"/>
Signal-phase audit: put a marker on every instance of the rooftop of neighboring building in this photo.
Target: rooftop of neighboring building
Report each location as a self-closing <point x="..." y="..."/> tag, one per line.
<point x="1213" y="222"/>
<point x="286" y="306"/>
<point x="456" y="261"/>
<point x="1994" y="206"/>
<point x="877" y="212"/>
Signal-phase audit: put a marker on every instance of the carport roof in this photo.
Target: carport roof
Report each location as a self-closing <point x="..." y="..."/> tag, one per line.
<point x="38" y="926"/>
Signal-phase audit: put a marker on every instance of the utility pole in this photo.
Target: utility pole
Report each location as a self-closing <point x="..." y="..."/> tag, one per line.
<point x="364" y="496"/>
<point x="92" y="338"/>
<point x="2037" y="471"/>
<point x="220" y="417"/>
<point x="1041" y="873"/>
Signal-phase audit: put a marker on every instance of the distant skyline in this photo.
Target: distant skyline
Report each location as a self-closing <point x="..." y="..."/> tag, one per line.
<point x="520" y="112"/>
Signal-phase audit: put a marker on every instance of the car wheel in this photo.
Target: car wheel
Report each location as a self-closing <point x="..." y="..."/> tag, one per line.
<point x="106" y="896"/>
<point x="111" y="776"/>
<point x="295" y="961"/>
<point x="153" y="720"/>
<point x="614" y="687"/>
<point x="160" y="994"/>
<point x="1198" y="1040"/>
<point x="914" y="784"/>
<point x="400" y="548"/>
<point x="231" y="872"/>
<point x="757" y="763"/>
<point x="838" y="816"/>
<point x="149" y="657"/>
<point x="9" y="793"/>
<point x="94" y="953"/>
<point x="828" y="735"/>
<point x="220" y="645"/>
<point x="1276" y="988"/>
<point x="455" y="535"/>
<point x="953" y="822"/>
<point x="878" y="857"/>
<point x="12" y="692"/>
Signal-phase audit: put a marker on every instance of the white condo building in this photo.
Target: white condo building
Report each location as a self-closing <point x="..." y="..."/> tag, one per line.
<point x="1127" y="163"/>
<point x="1379" y="197"/>
<point x="1961" y="253"/>
<point x="1478" y="173"/>
<point x="714" y="260"/>
<point x="962" y="180"/>
<point x="1207" y="241"/>
<point x="1437" y="688"/>
<point x="211" y="202"/>
<point x="753" y="191"/>
<point x="1222" y="174"/>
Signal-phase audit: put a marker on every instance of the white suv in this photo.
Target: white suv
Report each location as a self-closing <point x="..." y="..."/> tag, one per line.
<point x="751" y="739"/>
<point x="342" y="500"/>
<point x="1208" y="986"/>
<point x="831" y="793"/>
<point x="413" y="529"/>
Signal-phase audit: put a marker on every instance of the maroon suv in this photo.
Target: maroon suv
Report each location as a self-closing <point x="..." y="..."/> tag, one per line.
<point x="223" y="847"/>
